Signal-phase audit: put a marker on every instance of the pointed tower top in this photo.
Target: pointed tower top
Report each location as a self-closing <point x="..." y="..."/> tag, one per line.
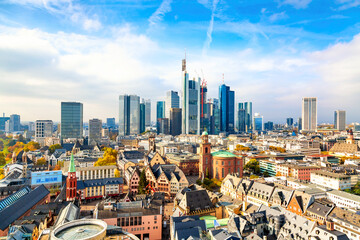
<point x="72" y="164"/>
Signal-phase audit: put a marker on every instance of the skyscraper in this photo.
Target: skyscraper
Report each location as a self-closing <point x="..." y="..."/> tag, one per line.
<point x="290" y="122"/>
<point x="14" y="123"/>
<point x="43" y="129"/>
<point x="172" y="101"/>
<point x="129" y="115"/>
<point x="190" y="104"/>
<point x="340" y="120"/>
<point x="175" y="121"/>
<point x="3" y="120"/>
<point x="160" y="109"/>
<point x="204" y="109"/>
<point x="142" y="117"/>
<point x="269" y="126"/>
<point x="309" y="114"/>
<point x="71" y="120"/>
<point x="248" y="117"/>
<point x="241" y="125"/>
<point x="214" y="113"/>
<point x="95" y="127"/>
<point x="300" y="123"/>
<point x="164" y="126"/>
<point x="110" y="123"/>
<point x="147" y="112"/>
<point x="258" y="122"/>
<point x="227" y="108"/>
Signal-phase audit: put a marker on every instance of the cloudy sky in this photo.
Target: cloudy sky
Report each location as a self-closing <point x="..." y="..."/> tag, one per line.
<point x="272" y="53"/>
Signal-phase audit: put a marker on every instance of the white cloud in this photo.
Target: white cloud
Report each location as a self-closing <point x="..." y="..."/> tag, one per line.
<point x="210" y="28"/>
<point x="298" y="4"/>
<point x="346" y="4"/>
<point x="278" y="16"/>
<point x="160" y="12"/>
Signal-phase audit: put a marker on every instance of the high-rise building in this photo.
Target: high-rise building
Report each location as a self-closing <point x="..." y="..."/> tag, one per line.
<point x="258" y="122"/>
<point x="300" y="123"/>
<point x="309" y="114"/>
<point x="31" y="127"/>
<point x="191" y="103"/>
<point x="129" y="115"/>
<point x="3" y="120"/>
<point x="290" y="122"/>
<point x="160" y="109"/>
<point x="205" y="108"/>
<point x="172" y="101"/>
<point x="241" y="125"/>
<point x="175" y="121"/>
<point x="110" y="123"/>
<point x="214" y="116"/>
<point x="43" y="129"/>
<point x="164" y="126"/>
<point x="71" y="120"/>
<point x="227" y="108"/>
<point x="269" y="126"/>
<point x="142" y="117"/>
<point x="248" y="117"/>
<point x="95" y="128"/>
<point x="340" y="120"/>
<point x="14" y="123"/>
<point x="147" y="112"/>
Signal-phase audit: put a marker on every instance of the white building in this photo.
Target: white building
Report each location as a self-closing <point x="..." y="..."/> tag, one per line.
<point x="343" y="199"/>
<point x="172" y="101"/>
<point x="309" y="114"/>
<point x="43" y="129"/>
<point x="340" y="120"/>
<point x="332" y="180"/>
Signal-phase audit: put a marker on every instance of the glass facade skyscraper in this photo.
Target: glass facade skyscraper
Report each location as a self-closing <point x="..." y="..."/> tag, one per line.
<point x="147" y="112"/>
<point x="129" y="115"/>
<point x="241" y="126"/>
<point x="142" y="117"/>
<point x="227" y="108"/>
<point x="172" y="101"/>
<point x="160" y="109"/>
<point x="258" y="122"/>
<point x="290" y="122"/>
<point x="71" y="120"/>
<point x="110" y="123"/>
<point x="248" y="117"/>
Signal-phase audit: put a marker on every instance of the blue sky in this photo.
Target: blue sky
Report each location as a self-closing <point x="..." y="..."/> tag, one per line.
<point x="271" y="52"/>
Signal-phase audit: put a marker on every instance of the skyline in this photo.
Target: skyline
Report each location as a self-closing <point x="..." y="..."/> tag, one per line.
<point x="272" y="54"/>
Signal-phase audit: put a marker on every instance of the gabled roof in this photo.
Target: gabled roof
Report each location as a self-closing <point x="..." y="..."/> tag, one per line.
<point x="196" y="200"/>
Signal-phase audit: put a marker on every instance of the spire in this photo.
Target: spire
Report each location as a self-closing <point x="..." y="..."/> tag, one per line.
<point x="72" y="164"/>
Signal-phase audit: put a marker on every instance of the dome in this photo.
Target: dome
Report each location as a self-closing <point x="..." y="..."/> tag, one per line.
<point x="204" y="133"/>
<point x="81" y="229"/>
<point x="223" y="154"/>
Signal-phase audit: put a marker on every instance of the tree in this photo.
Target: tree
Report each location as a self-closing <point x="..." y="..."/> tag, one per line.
<point x="143" y="182"/>
<point x="31" y="146"/>
<point x="2" y="159"/>
<point x="253" y="166"/>
<point x="41" y="162"/>
<point x="117" y="173"/>
<point x="241" y="148"/>
<point x="266" y="174"/>
<point x="109" y="158"/>
<point x="53" y="147"/>
<point x="57" y="167"/>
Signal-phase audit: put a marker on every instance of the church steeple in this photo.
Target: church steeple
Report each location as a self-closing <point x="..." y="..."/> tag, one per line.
<point x="71" y="181"/>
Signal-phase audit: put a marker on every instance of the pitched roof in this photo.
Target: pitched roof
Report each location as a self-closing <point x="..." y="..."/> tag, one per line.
<point x="9" y="214"/>
<point x="196" y="200"/>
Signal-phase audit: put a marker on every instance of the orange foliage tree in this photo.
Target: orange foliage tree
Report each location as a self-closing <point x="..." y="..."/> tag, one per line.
<point x="109" y="158"/>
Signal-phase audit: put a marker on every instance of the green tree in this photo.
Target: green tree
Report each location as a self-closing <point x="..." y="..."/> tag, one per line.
<point x="253" y="166"/>
<point x="266" y="174"/>
<point x="31" y="146"/>
<point x="41" y="161"/>
<point x="53" y="147"/>
<point x="143" y="182"/>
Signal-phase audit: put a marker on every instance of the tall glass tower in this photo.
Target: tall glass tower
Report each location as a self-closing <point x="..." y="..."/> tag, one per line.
<point x="71" y="120"/>
<point x="129" y="115"/>
<point x="248" y="117"/>
<point x="241" y="126"/>
<point x="172" y="101"/>
<point x="227" y="108"/>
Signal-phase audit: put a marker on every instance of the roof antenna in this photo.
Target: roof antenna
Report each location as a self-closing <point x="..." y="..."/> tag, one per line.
<point x="223" y="78"/>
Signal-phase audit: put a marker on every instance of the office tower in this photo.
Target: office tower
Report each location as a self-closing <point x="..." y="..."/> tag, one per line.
<point x="110" y="123"/>
<point x="204" y="109"/>
<point x="147" y="112"/>
<point x="248" y="117"/>
<point x="3" y="120"/>
<point x="172" y="101"/>
<point x="340" y="120"/>
<point x="164" y="126"/>
<point x="142" y="117"/>
<point x="190" y="104"/>
<point x="214" y="113"/>
<point x="269" y="126"/>
<point x="357" y="127"/>
<point x="241" y="125"/>
<point x="258" y="122"/>
<point x="309" y="114"/>
<point x="290" y="122"/>
<point x="227" y="107"/>
<point x="129" y="115"/>
<point x="160" y="109"/>
<point x="175" y="121"/>
<point x="43" y="129"/>
<point x="14" y="123"/>
<point x="95" y="128"/>
<point x="32" y="127"/>
<point x="299" y="124"/>
<point x="71" y="120"/>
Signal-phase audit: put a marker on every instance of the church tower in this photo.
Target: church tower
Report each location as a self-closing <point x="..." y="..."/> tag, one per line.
<point x="205" y="160"/>
<point x="152" y="143"/>
<point x="71" y="181"/>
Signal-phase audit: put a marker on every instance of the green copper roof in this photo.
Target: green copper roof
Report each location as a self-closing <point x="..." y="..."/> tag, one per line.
<point x="72" y="164"/>
<point x="224" y="154"/>
<point x="204" y="133"/>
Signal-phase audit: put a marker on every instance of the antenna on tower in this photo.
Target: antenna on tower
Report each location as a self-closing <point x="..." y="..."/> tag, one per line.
<point x="223" y="78"/>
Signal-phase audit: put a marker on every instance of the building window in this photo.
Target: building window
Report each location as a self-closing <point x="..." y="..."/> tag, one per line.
<point x="222" y="162"/>
<point x="223" y="172"/>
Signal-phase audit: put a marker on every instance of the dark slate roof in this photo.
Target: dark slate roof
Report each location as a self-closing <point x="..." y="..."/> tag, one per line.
<point x="189" y="232"/>
<point x="190" y="224"/>
<point x="68" y="146"/>
<point x="198" y="199"/>
<point x="6" y="202"/>
<point x="21" y="206"/>
<point x="82" y="184"/>
<point x="133" y="154"/>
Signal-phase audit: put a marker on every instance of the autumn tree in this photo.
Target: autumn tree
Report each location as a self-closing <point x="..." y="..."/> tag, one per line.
<point x="109" y="158"/>
<point x="253" y="166"/>
<point x="41" y="162"/>
<point x="31" y="146"/>
<point x="57" y="167"/>
<point x="117" y="173"/>
<point x="143" y="182"/>
<point x="241" y="148"/>
<point x="2" y="159"/>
